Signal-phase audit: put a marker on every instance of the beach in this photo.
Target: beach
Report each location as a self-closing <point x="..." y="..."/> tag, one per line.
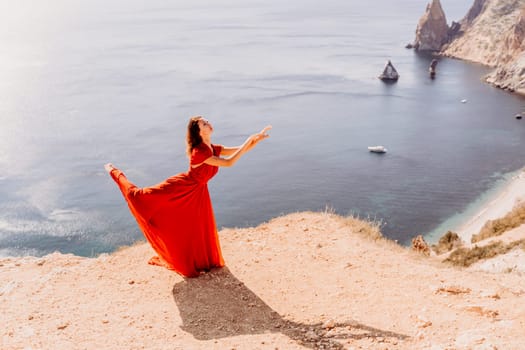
<point x="307" y="280"/>
<point x="496" y="206"/>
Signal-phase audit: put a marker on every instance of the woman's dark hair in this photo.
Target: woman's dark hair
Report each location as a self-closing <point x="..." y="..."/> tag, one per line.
<point x="193" y="137"/>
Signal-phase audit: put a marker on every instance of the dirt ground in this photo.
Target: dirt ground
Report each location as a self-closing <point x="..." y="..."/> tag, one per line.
<point x="305" y="280"/>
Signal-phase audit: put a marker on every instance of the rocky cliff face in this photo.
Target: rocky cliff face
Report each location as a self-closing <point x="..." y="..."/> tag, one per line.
<point x="432" y="29"/>
<point x="492" y="33"/>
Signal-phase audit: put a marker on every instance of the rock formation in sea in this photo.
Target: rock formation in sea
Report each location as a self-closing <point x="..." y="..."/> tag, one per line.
<point x="432" y="68"/>
<point x="389" y="73"/>
<point x="492" y="33"/>
<point x="432" y="31"/>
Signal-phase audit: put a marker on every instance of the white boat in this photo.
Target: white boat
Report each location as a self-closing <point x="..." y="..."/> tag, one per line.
<point x="377" y="149"/>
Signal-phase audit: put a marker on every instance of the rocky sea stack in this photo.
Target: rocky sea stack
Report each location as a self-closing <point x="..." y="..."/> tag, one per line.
<point x="432" y="29"/>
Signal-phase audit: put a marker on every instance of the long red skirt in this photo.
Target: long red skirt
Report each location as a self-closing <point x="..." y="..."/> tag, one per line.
<point x="176" y="217"/>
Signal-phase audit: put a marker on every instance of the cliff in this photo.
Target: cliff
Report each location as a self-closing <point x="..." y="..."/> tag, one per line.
<point x="492" y="33"/>
<point x="302" y="281"/>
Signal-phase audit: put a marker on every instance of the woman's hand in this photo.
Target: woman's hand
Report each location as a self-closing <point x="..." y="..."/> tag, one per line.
<point x="265" y="130"/>
<point x="256" y="138"/>
<point x="261" y="135"/>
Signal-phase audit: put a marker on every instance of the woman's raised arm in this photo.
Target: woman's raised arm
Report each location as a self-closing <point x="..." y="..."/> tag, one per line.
<point x="234" y="153"/>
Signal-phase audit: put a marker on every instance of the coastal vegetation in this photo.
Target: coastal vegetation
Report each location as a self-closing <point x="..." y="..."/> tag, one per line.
<point x="446" y="243"/>
<point x="465" y="256"/>
<point x="497" y="227"/>
<point x="367" y="227"/>
<point x="468" y="256"/>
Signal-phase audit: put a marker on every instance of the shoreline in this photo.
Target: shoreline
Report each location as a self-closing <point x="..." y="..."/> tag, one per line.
<point x="495" y="203"/>
<point x="495" y="206"/>
<point x="492" y="204"/>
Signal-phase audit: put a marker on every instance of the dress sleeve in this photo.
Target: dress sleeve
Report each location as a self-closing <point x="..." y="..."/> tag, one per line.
<point x="199" y="154"/>
<point x="217" y="149"/>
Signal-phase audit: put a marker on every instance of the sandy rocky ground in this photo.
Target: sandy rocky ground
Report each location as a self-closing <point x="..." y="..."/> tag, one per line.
<point x="301" y="281"/>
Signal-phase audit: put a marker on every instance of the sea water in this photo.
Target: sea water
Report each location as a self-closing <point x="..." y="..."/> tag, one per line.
<point x="89" y="82"/>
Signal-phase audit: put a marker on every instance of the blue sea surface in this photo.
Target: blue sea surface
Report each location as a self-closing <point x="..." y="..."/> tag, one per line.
<point x="89" y="82"/>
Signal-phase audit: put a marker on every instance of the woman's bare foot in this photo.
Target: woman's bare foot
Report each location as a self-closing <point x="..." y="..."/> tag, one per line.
<point x="109" y="167"/>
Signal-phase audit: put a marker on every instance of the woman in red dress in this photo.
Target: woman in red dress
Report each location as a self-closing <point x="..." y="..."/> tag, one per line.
<point x="176" y="216"/>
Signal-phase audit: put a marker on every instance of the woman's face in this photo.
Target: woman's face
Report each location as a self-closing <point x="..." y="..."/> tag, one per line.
<point x="205" y="127"/>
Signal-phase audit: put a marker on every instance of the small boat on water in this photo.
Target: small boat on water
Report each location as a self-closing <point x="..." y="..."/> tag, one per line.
<point x="377" y="149"/>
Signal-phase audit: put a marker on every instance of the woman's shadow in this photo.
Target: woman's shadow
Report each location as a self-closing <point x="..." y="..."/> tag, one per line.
<point x="218" y="305"/>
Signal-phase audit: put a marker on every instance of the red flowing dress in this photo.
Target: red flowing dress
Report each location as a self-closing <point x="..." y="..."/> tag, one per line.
<point x="176" y="216"/>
